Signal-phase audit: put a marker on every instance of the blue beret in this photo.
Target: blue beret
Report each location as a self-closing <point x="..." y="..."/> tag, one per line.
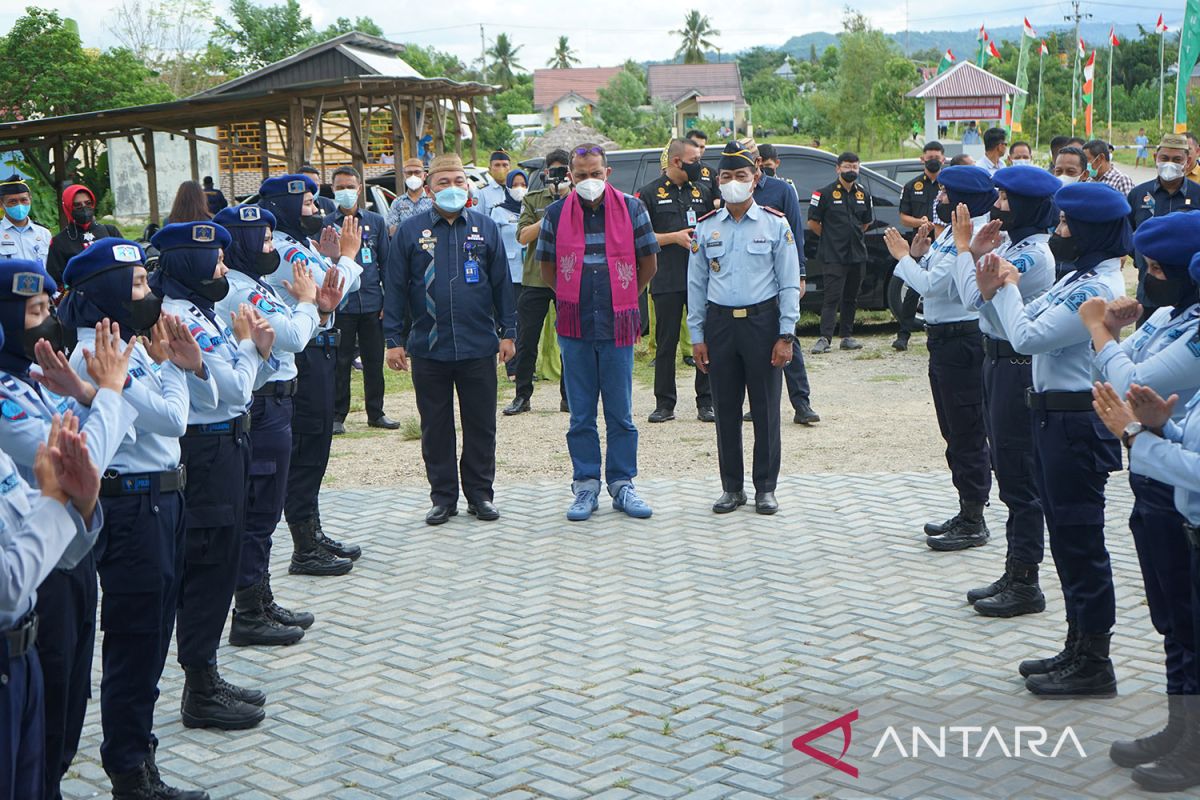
<point x="245" y="217"/>
<point x="965" y="179"/>
<point x="103" y="255"/>
<point x="1091" y="202"/>
<point x="282" y="185"/>
<point x="1026" y="180"/>
<point x="1170" y="239"/>
<point x="22" y="278"/>
<point x="202" y="235"/>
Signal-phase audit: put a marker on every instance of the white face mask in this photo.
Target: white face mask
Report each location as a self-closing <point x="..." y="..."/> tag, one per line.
<point x="1067" y="180"/>
<point x="1170" y="171"/>
<point x="591" y="190"/>
<point x="413" y="182"/>
<point x="1019" y="161"/>
<point x="518" y="193"/>
<point x="737" y="191"/>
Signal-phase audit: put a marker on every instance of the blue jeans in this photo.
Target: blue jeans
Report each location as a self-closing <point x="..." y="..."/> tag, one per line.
<point x="591" y="370"/>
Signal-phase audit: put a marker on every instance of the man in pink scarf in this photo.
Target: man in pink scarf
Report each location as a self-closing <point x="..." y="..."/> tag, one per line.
<point x="597" y="250"/>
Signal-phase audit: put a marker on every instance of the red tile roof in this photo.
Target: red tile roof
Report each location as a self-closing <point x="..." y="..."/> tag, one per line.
<point x="549" y="85"/>
<point x="965" y="79"/>
<point x="671" y="81"/>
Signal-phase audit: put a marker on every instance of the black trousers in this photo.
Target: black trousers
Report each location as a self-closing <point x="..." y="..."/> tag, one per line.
<point x="842" y="282"/>
<point x="955" y="376"/>
<point x="216" y="523"/>
<point x="312" y="431"/>
<point x="364" y="333"/>
<point x="66" y="608"/>
<point x="532" y="306"/>
<point x="739" y="364"/>
<point x="668" y="314"/>
<point x="1196" y="610"/>
<point x="1010" y="436"/>
<point x="908" y="312"/>
<point x="266" y="484"/>
<point x="435" y="384"/>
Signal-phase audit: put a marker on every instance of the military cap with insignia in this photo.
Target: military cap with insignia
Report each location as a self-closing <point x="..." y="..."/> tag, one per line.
<point x="735" y="156"/>
<point x="1025" y="180"/>
<point x="1090" y="202"/>
<point x="21" y="278"/>
<point x="203" y="235"/>
<point x="1171" y="240"/>
<point x="283" y="185"/>
<point x="965" y="179"/>
<point x="104" y="255"/>
<point x="244" y="217"/>
<point x="13" y="184"/>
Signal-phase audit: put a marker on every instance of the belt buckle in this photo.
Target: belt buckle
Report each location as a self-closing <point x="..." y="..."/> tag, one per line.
<point x="739" y="313"/>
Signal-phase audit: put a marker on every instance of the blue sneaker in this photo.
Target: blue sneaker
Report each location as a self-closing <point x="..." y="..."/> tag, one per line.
<point x="585" y="503"/>
<point x="627" y="500"/>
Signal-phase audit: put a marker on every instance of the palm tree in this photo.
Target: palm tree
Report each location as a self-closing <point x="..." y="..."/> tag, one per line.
<point x="696" y="30"/>
<point x="564" y="57"/>
<point x="504" y="60"/>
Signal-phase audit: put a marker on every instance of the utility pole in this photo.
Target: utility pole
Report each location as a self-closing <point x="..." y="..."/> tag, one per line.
<point x="483" y="55"/>
<point x="1075" y="16"/>
<point x="906" y="50"/>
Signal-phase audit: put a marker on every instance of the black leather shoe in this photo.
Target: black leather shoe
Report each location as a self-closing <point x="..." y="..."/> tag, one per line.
<point x="991" y="590"/>
<point x="483" y="509"/>
<point x="1178" y="770"/>
<point x="661" y="415"/>
<point x="1088" y="673"/>
<point x="962" y="536"/>
<point x="1130" y="753"/>
<point x="689" y="361"/>
<point x="338" y="428"/>
<point x="805" y="414"/>
<point x="747" y="418"/>
<point x="284" y="616"/>
<point x="764" y="503"/>
<point x="901" y="342"/>
<point x="208" y="703"/>
<point x="384" y="422"/>
<point x="729" y="501"/>
<point x="563" y="407"/>
<point x="440" y="514"/>
<point x="1021" y="596"/>
<point x="519" y="405"/>
<point x="850" y="343"/>
<point x="253" y="626"/>
<point x="1041" y="666"/>
<point x="706" y="415"/>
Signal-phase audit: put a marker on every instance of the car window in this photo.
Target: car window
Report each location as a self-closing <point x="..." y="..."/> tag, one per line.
<point x="906" y="172"/>
<point x="808" y="173"/>
<point x="625" y="170"/>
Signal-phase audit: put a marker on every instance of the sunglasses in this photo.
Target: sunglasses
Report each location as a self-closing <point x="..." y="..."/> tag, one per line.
<point x="594" y="150"/>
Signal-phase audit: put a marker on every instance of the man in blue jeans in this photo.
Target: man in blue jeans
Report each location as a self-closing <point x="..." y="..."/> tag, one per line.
<point x="597" y="251"/>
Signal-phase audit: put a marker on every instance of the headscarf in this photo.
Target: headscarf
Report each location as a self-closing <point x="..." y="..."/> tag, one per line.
<point x="1099" y="241"/>
<point x="105" y="294"/>
<point x="510" y="202"/>
<point x="179" y="273"/>
<point x="1030" y="215"/>
<point x="978" y="203"/>
<point x="13" y="358"/>
<point x="68" y="204"/>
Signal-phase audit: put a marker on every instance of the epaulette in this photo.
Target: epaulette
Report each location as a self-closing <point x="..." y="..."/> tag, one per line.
<point x="709" y="214"/>
<point x="774" y="211"/>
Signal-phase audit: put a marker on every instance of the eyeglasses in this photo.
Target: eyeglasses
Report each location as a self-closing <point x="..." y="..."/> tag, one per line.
<point x="594" y="150"/>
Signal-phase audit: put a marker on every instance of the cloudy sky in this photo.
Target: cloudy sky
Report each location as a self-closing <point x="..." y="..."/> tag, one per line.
<point x="608" y="35"/>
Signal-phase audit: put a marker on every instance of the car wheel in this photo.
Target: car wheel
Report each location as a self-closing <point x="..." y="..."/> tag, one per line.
<point x="897" y="293"/>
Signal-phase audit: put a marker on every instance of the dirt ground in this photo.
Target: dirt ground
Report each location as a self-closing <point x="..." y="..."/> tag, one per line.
<point x="876" y="414"/>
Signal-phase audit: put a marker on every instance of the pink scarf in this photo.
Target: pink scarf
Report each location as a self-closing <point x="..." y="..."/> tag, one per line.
<point x="622" y="267"/>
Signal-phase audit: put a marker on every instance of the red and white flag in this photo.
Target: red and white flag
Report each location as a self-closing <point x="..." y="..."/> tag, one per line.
<point x="982" y="34"/>
<point x="1160" y="26"/>
<point x="1112" y="37"/>
<point x="992" y="51"/>
<point x="1029" y="31"/>
<point x="1043" y="48"/>
<point x="1082" y="48"/>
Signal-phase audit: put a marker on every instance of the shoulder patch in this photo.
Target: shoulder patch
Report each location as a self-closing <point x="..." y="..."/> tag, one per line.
<point x="1194" y="345"/>
<point x="816" y="197"/>
<point x="774" y="211"/>
<point x="1022" y="262"/>
<point x="12" y="410"/>
<point x="1080" y="296"/>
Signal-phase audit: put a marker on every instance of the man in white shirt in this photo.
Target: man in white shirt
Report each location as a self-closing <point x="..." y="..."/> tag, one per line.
<point x="21" y="237"/>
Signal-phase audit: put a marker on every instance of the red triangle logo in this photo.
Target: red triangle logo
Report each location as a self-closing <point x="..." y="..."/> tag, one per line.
<point x="801" y="743"/>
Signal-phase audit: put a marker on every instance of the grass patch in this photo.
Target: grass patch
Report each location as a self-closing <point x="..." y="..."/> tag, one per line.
<point x="869" y="355"/>
<point x="410" y="429"/>
<point x="889" y="378"/>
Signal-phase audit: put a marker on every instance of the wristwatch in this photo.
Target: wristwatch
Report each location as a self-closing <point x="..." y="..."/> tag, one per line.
<point x="788" y="337"/>
<point x="1131" y="431"/>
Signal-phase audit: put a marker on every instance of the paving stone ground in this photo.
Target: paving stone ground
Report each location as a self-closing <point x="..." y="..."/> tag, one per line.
<point x="532" y="657"/>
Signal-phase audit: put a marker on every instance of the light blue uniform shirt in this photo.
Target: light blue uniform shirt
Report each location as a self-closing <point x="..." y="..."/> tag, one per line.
<point x="506" y="220"/>
<point x="1050" y="330"/>
<point x="755" y="261"/>
<point x="294" y="325"/>
<point x="1174" y="459"/>
<point x="1163" y="354"/>
<point x="36" y="533"/>
<point x="1032" y="258"/>
<point x="933" y="278"/>
<point x="293" y="252"/>
<point x="162" y="394"/>
<point x="489" y="197"/>
<point x="234" y="366"/>
<point x="29" y="241"/>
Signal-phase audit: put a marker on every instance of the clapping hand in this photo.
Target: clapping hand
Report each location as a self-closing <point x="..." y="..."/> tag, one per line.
<point x="109" y="365"/>
<point x="895" y="243"/>
<point x="183" y="347"/>
<point x="1149" y="407"/>
<point x="329" y="295"/>
<point x="989" y="276"/>
<point x="64" y="469"/>
<point x="157" y="342"/>
<point x="261" y="332"/>
<point x="327" y="245"/>
<point x="962" y="228"/>
<point x="1093" y="311"/>
<point x="351" y="239"/>
<point x="921" y="242"/>
<point x="302" y="287"/>
<point x="1121" y="312"/>
<point x="986" y="239"/>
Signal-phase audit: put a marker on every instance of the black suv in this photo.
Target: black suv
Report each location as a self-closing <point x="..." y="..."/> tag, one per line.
<point x="809" y="169"/>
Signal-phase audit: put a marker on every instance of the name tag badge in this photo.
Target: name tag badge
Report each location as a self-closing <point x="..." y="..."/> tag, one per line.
<point x="691" y="217"/>
<point x="367" y="258"/>
<point x="474" y="237"/>
<point x="714" y="248"/>
<point x="471" y="271"/>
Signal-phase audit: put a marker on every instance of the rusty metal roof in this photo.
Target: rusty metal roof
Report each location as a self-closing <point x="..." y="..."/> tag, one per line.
<point x="551" y="85"/>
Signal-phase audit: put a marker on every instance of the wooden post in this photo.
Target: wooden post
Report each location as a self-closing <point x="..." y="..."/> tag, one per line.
<point x="262" y="142"/>
<point x="295" y="135"/>
<point x="397" y="145"/>
<point x="474" y="133"/>
<point x="414" y="132"/>
<point x="194" y="156"/>
<point x="60" y="175"/>
<point x="357" y="144"/>
<point x="151" y="175"/>
<point x="439" y="125"/>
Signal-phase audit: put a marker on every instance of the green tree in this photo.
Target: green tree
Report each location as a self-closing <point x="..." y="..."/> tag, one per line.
<point x="759" y="59"/>
<point x="434" y="63"/>
<point x="259" y="35"/>
<point x="504" y="60"/>
<point x="343" y="25"/>
<point x="892" y="115"/>
<point x="564" y="57"/>
<point x="694" y="36"/>
<point x="618" y="102"/>
<point x="865" y="52"/>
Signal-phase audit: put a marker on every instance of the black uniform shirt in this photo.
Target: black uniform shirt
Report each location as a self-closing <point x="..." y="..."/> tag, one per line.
<point x="842" y="214"/>
<point x="668" y="206"/>
<point x="917" y="197"/>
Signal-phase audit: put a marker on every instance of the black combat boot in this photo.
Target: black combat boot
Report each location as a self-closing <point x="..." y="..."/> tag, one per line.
<point x="284" y="616"/>
<point x="969" y="531"/>
<point x="251" y="624"/>
<point x="310" y="558"/>
<point x="350" y="551"/>
<point x="134" y="785"/>
<point x="1023" y="595"/>
<point x="1132" y="752"/>
<point x="160" y="790"/>
<point x="1041" y="666"/>
<point x="992" y="589"/>
<point x="1088" y="673"/>
<point x="1179" y="769"/>
<point x="208" y="702"/>
<point x="938" y="528"/>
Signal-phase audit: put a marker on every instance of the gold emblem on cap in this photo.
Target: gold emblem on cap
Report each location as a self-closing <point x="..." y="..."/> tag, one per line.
<point x="204" y="233"/>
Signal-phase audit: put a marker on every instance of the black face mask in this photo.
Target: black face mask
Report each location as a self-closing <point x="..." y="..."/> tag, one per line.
<point x="144" y="313"/>
<point x="214" y="289"/>
<point x="945" y="213"/>
<point x="266" y="263"/>
<point x="312" y="224"/>
<point x="83" y="216"/>
<point x="850" y="175"/>
<point x="692" y="171"/>
<point x="1167" y="292"/>
<point x="1005" y="217"/>
<point x="770" y="171"/>
<point x="1064" y="248"/>
<point x="933" y="166"/>
<point x="50" y="329"/>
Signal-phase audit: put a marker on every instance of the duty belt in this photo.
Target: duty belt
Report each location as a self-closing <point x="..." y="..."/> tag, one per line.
<point x="1058" y="401"/>
<point x="999" y="348"/>
<point x="276" y="389"/>
<point x="1193" y="534"/>
<point x="123" y="485"/>
<point x="230" y="427"/>
<point x="20" y="640"/>
<point x="950" y="330"/>
<point x="325" y="339"/>
<point x="741" y="312"/>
